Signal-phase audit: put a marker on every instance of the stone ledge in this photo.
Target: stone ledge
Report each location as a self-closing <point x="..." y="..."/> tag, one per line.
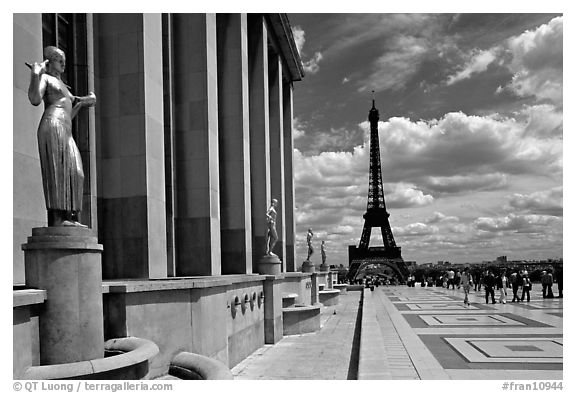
<point x="28" y="297"/>
<point x="172" y="283"/>
<point x="71" y="245"/>
<point x="296" y="274"/>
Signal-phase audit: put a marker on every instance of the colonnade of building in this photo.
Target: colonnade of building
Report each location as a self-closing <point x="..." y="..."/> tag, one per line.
<point x="190" y="140"/>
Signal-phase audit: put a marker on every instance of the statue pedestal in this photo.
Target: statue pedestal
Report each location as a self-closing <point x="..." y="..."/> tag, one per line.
<point x="67" y="263"/>
<point x="324" y="267"/>
<point x="308" y="267"/>
<point x="270" y="264"/>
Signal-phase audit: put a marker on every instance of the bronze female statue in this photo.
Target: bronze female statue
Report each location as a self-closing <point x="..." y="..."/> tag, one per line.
<point x="60" y="161"/>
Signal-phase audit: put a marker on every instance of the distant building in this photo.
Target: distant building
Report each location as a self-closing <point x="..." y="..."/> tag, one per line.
<point x="501" y="259"/>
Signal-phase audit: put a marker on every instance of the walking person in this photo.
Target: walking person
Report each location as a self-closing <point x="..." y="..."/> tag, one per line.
<point x="451" y="278"/>
<point x="516" y="281"/>
<point x="545" y="284"/>
<point x="547" y="278"/>
<point x="526" y="286"/>
<point x="501" y="284"/>
<point x="466" y="282"/>
<point x="489" y="281"/>
<point x="477" y="280"/>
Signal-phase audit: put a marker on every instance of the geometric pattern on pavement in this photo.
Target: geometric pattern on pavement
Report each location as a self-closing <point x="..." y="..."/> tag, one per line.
<point x="502" y="320"/>
<point x="438" y="306"/>
<point x="511" y="341"/>
<point x="506" y="350"/>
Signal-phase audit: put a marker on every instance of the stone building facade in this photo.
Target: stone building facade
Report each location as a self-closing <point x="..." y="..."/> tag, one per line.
<point x="190" y="140"/>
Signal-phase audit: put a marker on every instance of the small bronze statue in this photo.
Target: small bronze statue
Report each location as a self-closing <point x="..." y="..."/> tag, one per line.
<point x="309" y="237"/>
<point x="60" y="161"/>
<point x="323" y="252"/>
<point x="271" y="235"/>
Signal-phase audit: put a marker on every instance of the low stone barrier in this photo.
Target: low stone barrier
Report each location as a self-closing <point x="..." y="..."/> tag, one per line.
<point x="329" y="297"/>
<point x="301" y="319"/>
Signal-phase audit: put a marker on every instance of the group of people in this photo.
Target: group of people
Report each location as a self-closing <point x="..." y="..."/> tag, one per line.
<point x="518" y="281"/>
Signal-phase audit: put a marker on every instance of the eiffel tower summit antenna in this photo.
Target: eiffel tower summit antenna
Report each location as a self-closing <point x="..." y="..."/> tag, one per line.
<point x="376" y="216"/>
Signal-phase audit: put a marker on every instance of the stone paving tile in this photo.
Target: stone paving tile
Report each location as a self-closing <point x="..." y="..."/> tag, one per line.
<point x="320" y="355"/>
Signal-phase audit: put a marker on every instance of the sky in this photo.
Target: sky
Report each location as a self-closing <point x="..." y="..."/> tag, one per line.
<point x="471" y="133"/>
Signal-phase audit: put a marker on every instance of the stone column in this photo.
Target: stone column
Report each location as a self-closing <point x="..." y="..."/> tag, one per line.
<point x="29" y="208"/>
<point x="273" y="323"/>
<point x="289" y="204"/>
<point x="132" y="213"/>
<point x="234" y="144"/>
<point x="277" y="151"/>
<point x="259" y="133"/>
<point x="197" y="213"/>
<point x="169" y="142"/>
<point x="66" y="262"/>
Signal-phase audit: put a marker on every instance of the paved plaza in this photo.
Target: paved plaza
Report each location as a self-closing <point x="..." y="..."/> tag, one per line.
<point x="422" y="333"/>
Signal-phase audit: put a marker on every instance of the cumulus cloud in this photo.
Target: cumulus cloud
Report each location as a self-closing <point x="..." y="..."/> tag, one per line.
<point x="416" y="229"/>
<point x="297" y="130"/>
<point x="447" y="153"/>
<point x="547" y="202"/>
<point x="405" y="195"/>
<point x="311" y="66"/>
<point x="517" y="223"/>
<point x="299" y="37"/>
<point x="440" y="217"/>
<point x="478" y="61"/>
<point x="542" y="121"/>
<point x="537" y="62"/>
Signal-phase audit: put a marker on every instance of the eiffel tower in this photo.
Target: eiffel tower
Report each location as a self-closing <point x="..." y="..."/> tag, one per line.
<point x="376" y="216"/>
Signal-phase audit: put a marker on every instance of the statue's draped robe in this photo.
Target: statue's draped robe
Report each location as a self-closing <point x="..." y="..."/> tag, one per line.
<point x="60" y="161"/>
